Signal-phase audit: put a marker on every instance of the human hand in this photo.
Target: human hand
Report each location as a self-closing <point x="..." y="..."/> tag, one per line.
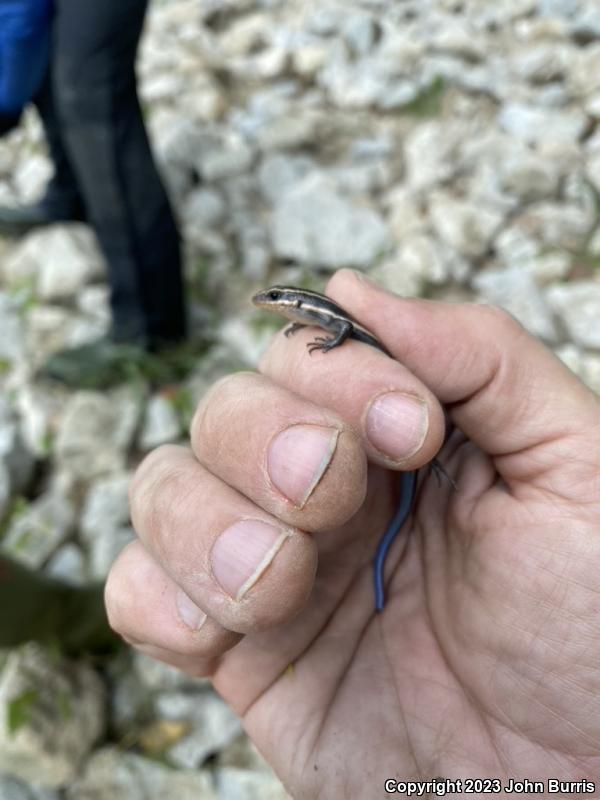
<point x="486" y="659"/>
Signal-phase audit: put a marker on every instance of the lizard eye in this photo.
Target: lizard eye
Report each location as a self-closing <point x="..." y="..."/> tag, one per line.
<point x="273" y="295"/>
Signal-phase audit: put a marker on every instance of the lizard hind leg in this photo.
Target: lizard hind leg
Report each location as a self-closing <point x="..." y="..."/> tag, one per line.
<point x="323" y="343"/>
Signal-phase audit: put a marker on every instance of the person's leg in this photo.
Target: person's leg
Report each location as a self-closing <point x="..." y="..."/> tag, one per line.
<point x="25" y="76"/>
<point x="8" y="122"/>
<point x="102" y="128"/>
<point x="62" y="199"/>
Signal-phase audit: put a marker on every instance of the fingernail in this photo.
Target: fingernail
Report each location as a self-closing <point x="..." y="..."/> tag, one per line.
<point x="190" y="614"/>
<point x="243" y="552"/>
<point x="298" y="458"/>
<point x="397" y="424"/>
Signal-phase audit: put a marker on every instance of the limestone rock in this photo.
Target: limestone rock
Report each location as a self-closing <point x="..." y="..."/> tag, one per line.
<point x="36" y="532"/>
<point x="515" y="290"/>
<point x="61" y="716"/>
<point x="314" y="224"/>
<point x="578" y="305"/>
<point x="61" y="260"/>
<point x="115" y="775"/>
<point x="96" y="431"/>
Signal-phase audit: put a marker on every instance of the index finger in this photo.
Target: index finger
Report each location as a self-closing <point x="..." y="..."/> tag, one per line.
<point x="502" y="387"/>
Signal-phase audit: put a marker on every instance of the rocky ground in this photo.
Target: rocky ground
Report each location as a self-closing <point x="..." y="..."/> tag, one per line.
<point x="450" y="148"/>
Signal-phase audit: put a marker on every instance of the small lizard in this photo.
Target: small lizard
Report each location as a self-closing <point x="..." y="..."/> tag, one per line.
<point x="302" y="308"/>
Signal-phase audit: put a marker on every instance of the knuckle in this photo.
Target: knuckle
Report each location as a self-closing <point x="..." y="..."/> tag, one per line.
<point x="158" y="480"/>
<point x="215" y="397"/>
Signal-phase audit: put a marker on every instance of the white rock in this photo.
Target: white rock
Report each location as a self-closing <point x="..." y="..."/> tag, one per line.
<point x="12" y="340"/>
<point x="38" y="409"/>
<point x="354" y="84"/>
<point x="465" y="226"/>
<point x="204" y="208"/>
<point x="255" y="250"/>
<point x="549" y="267"/>
<point x="161" y="87"/>
<point x="177" y="140"/>
<point x="584" y="70"/>
<point x="483" y="187"/>
<point x="363" y="178"/>
<point x="68" y="565"/>
<point x="593" y="170"/>
<point x="325" y="20"/>
<point x="586" y="25"/>
<point x="61" y="259"/>
<point x="542" y="63"/>
<point x="314" y="224"/>
<point x="112" y="774"/>
<point x="234" y="783"/>
<point x="360" y="32"/>
<point x="434" y="261"/>
<point x="290" y="131"/>
<point x="430" y="152"/>
<point x="541" y="29"/>
<point x="160" y="425"/>
<point x="245" y="35"/>
<point x="155" y="675"/>
<point x="96" y="431"/>
<point x="592" y="105"/>
<point x="585" y="365"/>
<point x="278" y="173"/>
<point x="14" y="454"/>
<point x="399" y="275"/>
<point x="104" y="550"/>
<point x="515" y="290"/>
<point x="105" y="507"/>
<point x="205" y="99"/>
<point x="406" y="215"/>
<point x="37" y="531"/>
<point x="578" y="306"/>
<point x="272" y="63"/>
<point x="308" y="59"/>
<point x="594" y="244"/>
<point x="52" y="328"/>
<point x="64" y="718"/>
<point x="13" y="789"/>
<point x="528" y="176"/>
<point x="533" y="124"/>
<point x="456" y="37"/>
<point x="93" y="302"/>
<point x="239" y="337"/>
<point x="224" y="157"/>
<point x="31" y="177"/>
<point x="560" y="225"/>
<point x="515" y="245"/>
<point x="213" y="725"/>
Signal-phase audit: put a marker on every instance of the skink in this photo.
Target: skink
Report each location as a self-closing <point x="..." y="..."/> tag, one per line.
<point x="303" y="308"/>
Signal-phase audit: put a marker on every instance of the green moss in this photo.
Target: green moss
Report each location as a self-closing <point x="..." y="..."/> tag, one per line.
<point x="428" y="103"/>
<point x="19" y="709"/>
<point x="17" y="507"/>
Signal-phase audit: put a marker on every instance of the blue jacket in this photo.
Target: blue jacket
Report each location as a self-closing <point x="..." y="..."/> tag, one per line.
<point x="24" y="49"/>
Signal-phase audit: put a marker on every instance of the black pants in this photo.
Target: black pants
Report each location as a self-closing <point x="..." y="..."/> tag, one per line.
<point x="8" y="122"/>
<point x="104" y="165"/>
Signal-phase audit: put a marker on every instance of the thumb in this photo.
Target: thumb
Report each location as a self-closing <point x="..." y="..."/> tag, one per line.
<point x="502" y="388"/>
